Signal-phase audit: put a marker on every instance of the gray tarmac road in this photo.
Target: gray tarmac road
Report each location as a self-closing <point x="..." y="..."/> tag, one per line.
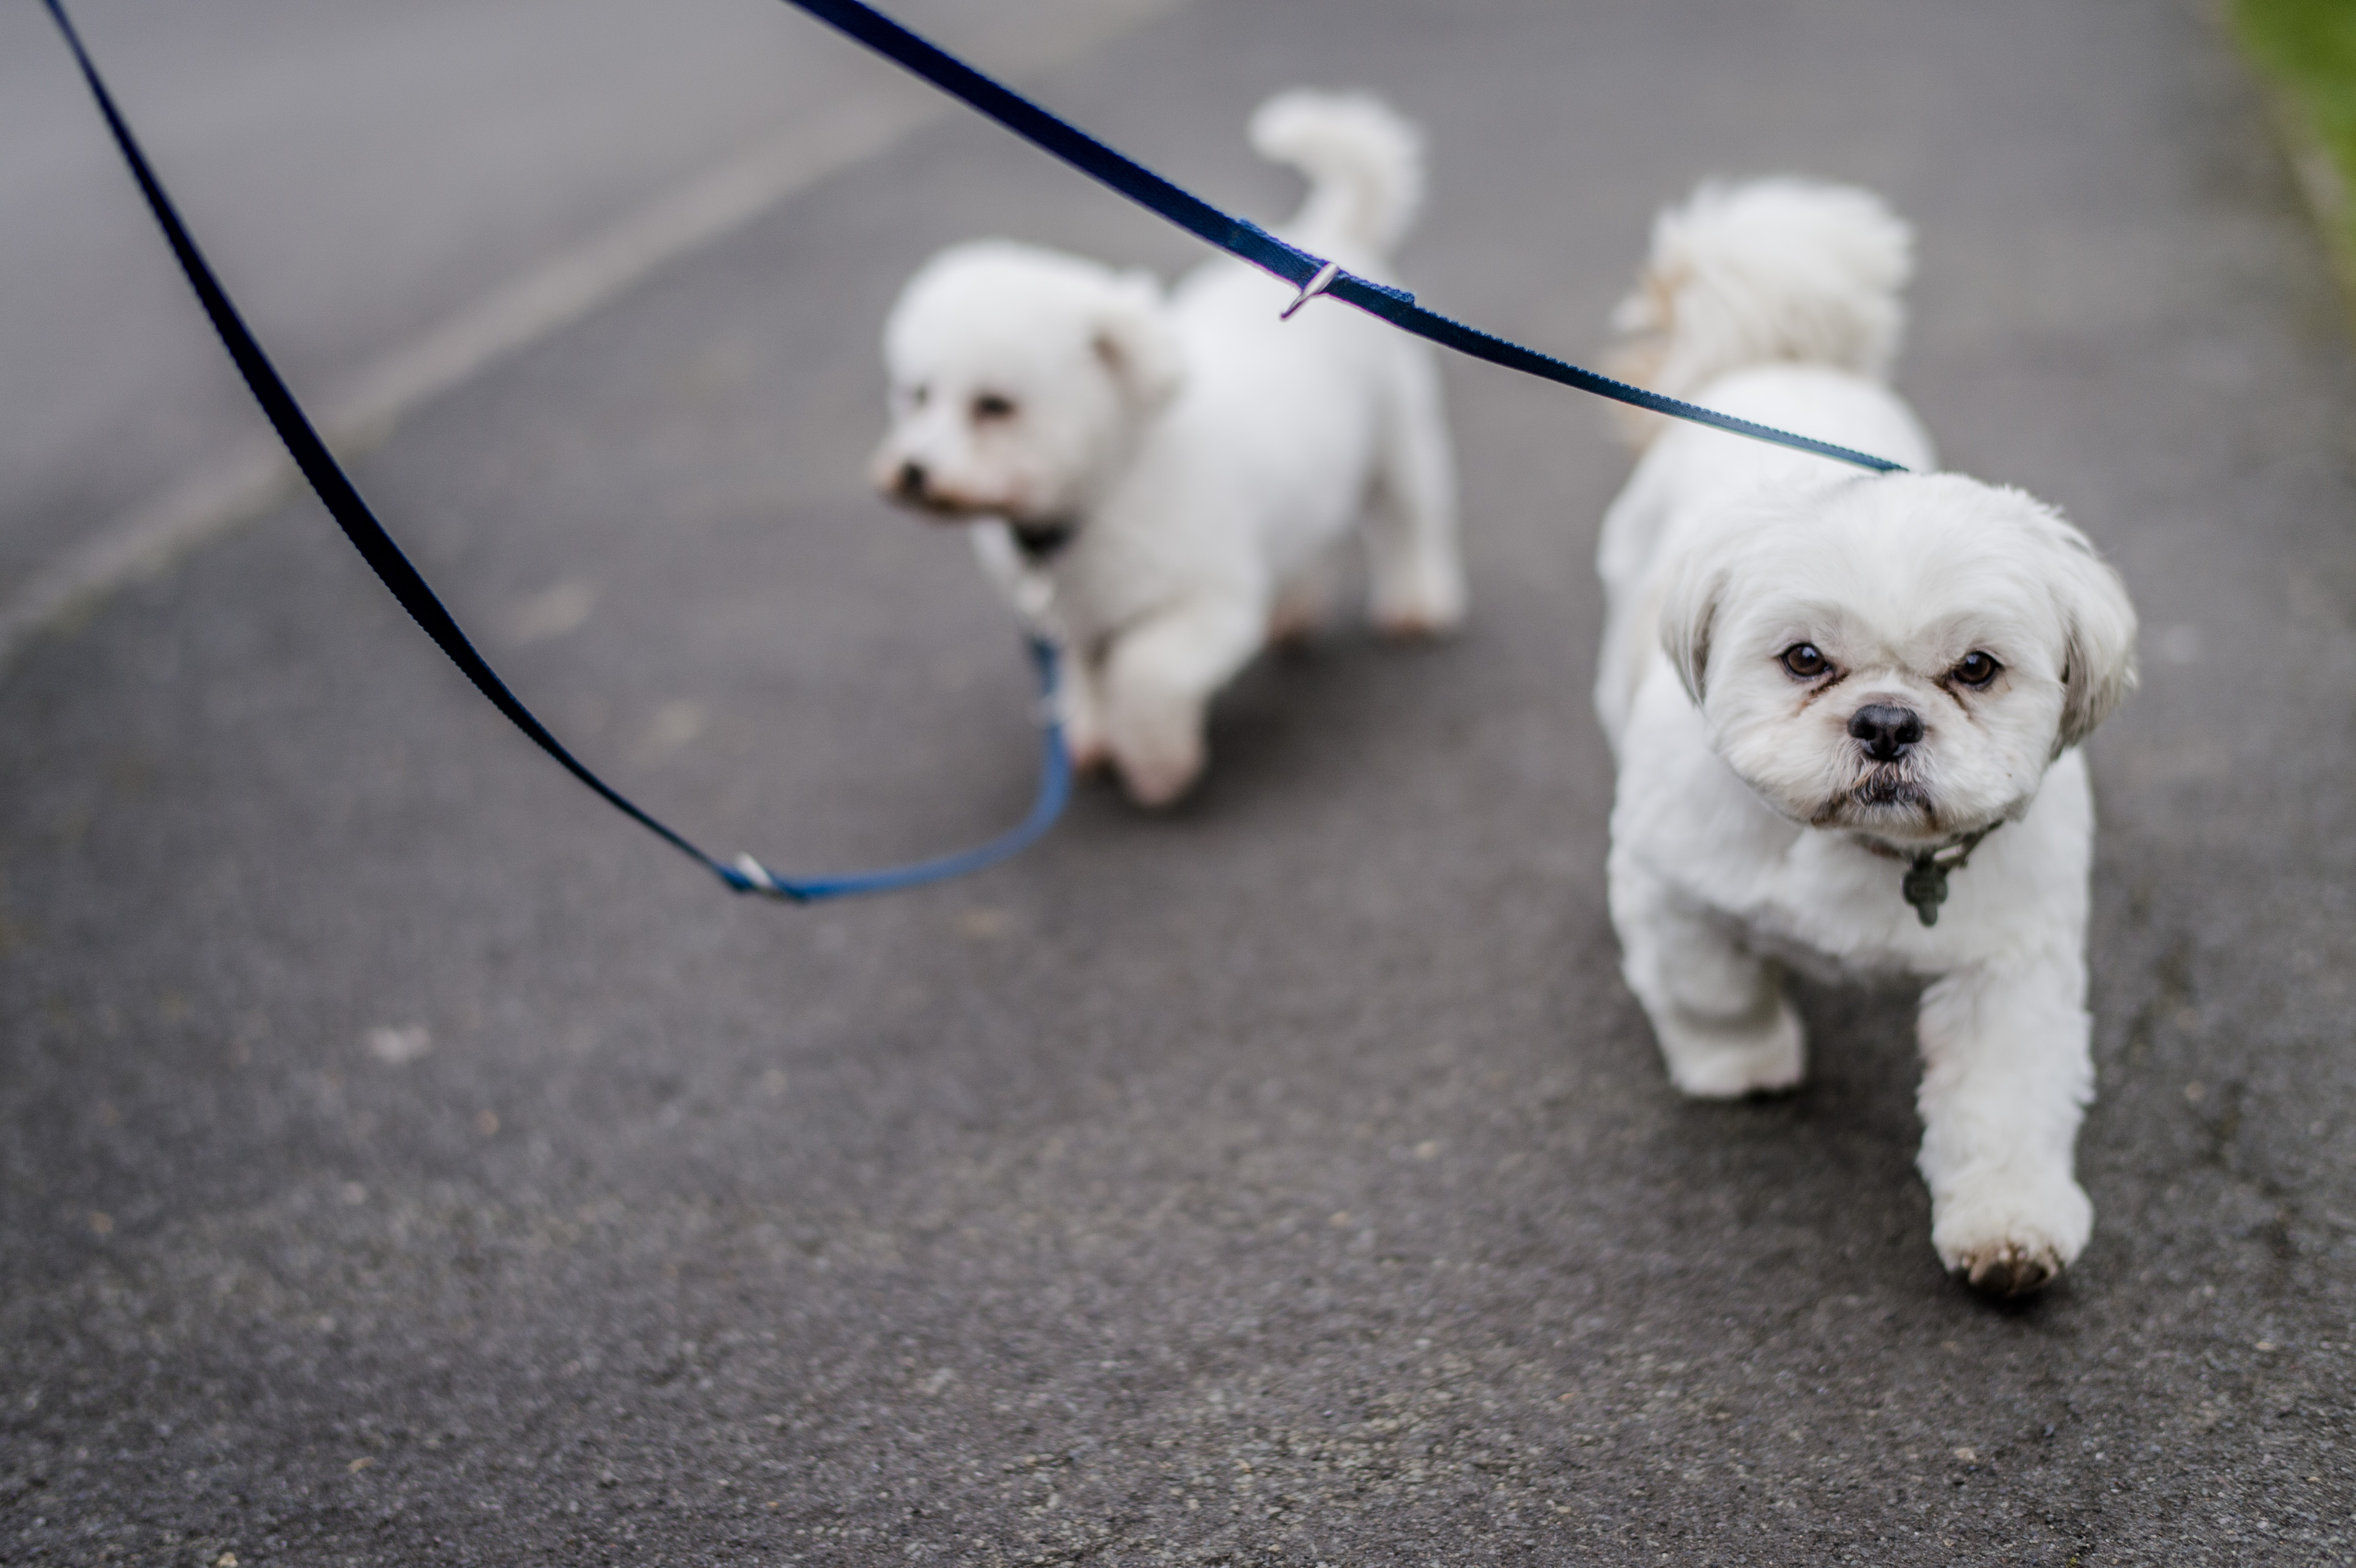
<point x="406" y="1161"/>
<point x="369" y="178"/>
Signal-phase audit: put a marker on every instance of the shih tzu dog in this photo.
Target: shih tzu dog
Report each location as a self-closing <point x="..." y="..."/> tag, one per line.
<point x="1846" y="710"/>
<point x="1158" y="482"/>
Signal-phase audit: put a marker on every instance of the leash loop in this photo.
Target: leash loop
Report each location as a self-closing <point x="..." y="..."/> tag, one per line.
<point x="394" y="568"/>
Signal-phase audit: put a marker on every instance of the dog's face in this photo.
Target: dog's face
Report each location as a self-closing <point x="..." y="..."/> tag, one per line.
<point x="1020" y="379"/>
<point x="1901" y="655"/>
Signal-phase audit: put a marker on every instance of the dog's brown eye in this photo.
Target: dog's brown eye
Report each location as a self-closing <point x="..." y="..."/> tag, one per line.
<point x="1806" y="660"/>
<point x="1976" y="668"/>
<point x="990" y="406"/>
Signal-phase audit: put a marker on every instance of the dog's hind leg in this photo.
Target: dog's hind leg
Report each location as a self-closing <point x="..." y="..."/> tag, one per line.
<point x="2007" y="1075"/>
<point x="1304" y="601"/>
<point x="1725" y="1028"/>
<point x="1412" y="550"/>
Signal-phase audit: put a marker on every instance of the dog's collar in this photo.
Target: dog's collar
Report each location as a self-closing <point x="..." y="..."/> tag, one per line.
<point x="1042" y="542"/>
<point x="1925" y="883"/>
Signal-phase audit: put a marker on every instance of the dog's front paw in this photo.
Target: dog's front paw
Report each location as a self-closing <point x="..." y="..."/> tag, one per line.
<point x="1155" y="735"/>
<point x="1714" y="1059"/>
<point x="1158" y="763"/>
<point x="1084" y="744"/>
<point x="2012" y="1268"/>
<point x="1154" y="784"/>
<point x="2008" y="1236"/>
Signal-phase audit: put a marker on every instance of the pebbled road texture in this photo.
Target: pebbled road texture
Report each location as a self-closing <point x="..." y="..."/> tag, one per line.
<point x="406" y="1161"/>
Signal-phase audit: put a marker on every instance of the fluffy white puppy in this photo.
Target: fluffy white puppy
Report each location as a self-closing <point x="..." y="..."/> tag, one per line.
<point x="1828" y="690"/>
<point x="1158" y="482"/>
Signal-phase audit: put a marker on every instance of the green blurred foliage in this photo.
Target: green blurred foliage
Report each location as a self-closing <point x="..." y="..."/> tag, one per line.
<point x="2308" y="48"/>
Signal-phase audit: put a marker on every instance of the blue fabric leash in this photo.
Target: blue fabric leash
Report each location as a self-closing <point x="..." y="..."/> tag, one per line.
<point x="1310" y="274"/>
<point x="367" y="536"/>
<point x="1313" y="276"/>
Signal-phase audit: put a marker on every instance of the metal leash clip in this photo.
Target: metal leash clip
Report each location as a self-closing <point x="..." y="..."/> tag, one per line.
<point x="1313" y="288"/>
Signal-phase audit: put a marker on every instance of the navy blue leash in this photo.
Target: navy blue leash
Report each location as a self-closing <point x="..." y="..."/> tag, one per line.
<point x="1313" y="276"/>
<point x="1310" y="274"/>
<point x="376" y="547"/>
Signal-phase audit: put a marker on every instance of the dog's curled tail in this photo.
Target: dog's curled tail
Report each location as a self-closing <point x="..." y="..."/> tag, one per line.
<point x="1771" y="271"/>
<point x="1363" y="160"/>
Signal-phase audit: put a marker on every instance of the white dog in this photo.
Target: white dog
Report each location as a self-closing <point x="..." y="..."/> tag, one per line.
<point x="1159" y="483"/>
<point x="1828" y="690"/>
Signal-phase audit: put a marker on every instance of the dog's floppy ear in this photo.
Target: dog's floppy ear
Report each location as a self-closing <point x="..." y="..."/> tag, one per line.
<point x="1133" y="338"/>
<point x="1689" y="619"/>
<point x="2098" y="632"/>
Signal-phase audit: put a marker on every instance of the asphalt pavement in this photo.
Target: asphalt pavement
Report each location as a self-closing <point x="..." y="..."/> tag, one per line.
<point x="405" y="1160"/>
<point x="400" y="196"/>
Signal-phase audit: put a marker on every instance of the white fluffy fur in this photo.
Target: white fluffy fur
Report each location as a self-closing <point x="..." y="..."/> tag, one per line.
<point x="1746" y="812"/>
<point x="1199" y="457"/>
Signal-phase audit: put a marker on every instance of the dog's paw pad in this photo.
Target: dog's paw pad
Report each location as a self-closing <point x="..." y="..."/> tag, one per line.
<point x="2010" y="1269"/>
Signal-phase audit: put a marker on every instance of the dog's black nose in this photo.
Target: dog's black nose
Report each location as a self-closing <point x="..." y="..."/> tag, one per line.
<point x="1886" y="728"/>
<point x="911" y="480"/>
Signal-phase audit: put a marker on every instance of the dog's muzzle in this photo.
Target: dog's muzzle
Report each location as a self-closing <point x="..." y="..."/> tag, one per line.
<point x="1889" y="786"/>
<point x="1881" y="795"/>
<point x="912" y="486"/>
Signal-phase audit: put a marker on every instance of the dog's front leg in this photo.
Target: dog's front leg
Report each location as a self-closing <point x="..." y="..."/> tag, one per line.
<point x="1725" y="1028"/>
<point x="1081" y="709"/>
<point x="1159" y="678"/>
<point x="2007" y="1076"/>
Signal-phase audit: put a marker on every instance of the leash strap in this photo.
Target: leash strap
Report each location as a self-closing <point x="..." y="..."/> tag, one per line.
<point x="1249" y="241"/>
<point x="376" y="547"/>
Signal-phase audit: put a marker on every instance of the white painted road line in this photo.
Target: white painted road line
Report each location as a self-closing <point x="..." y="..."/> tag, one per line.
<point x="251" y="476"/>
